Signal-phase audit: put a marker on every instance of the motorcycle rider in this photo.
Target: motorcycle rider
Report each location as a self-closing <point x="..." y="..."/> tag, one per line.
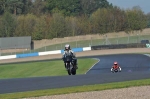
<point x="116" y="66"/>
<point x="69" y="53"/>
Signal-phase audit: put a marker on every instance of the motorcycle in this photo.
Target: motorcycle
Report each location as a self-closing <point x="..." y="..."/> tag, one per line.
<point x="70" y="68"/>
<point x="115" y="69"/>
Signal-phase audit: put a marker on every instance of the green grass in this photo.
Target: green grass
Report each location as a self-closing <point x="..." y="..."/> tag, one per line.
<point x="77" y="89"/>
<point x="38" y="69"/>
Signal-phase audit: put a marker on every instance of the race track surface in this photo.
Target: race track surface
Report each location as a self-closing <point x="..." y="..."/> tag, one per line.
<point x="134" y="67"/>
<point x="128" y="62"/>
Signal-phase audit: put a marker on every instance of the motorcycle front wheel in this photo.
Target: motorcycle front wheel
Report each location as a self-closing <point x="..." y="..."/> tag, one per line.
<point x="73" y="71"/>
<point x="68" y="69"/>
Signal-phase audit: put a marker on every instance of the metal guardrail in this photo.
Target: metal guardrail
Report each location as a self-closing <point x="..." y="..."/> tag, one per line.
<point x="118" y="46"/>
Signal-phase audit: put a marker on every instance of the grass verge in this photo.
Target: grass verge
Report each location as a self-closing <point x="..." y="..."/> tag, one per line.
<point x="44" y="68"/>
<point x="78" y="89"/>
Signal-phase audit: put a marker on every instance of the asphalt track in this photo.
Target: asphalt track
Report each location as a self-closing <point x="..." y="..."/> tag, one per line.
<point x="134" y="67"/>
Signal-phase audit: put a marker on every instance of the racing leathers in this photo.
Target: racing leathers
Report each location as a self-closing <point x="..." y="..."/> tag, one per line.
<point x="114" y="67"/>
<point x="69" y="54"/>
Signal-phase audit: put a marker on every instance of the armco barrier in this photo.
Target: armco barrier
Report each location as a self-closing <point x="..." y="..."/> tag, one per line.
<point x="118" y="46"/>
<point x="49" y="52"/>
<point x="86" y="48"/>
<point x="7" y="57"/>
<point x="75" y="50"/>
<point x="43" y="53"/>
<point x="79" y="49"/>
<point x="27" y="55"/>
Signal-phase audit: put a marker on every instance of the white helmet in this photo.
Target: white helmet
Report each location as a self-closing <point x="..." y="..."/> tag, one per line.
<point x="115" y="63"/>
<point x="67" y="47"/>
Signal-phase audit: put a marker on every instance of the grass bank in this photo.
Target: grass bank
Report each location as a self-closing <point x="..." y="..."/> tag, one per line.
<point x="44" y="68"/>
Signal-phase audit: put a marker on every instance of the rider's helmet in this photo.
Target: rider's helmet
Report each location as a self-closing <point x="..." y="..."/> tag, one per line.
<point x="115" y="63"/>
<point x="67" y="47"/>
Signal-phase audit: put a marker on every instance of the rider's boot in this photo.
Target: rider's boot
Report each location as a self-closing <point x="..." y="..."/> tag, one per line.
<point x="75" y="63"/>
<point x="65" y="66"/>
<point x="111" y="70"/>
<point x="76" y="66"/>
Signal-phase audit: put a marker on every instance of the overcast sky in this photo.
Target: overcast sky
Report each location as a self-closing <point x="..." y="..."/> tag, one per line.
<point x="144" y="4"/>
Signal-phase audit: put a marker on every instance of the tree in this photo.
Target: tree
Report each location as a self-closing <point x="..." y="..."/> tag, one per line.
<point x="82" y="25"/>
<point x="8" y="25"/>
<point x="27" y="6"/>
<point x="118" y="19"/>
<point x="136" y="20"/>
<point x="71" y="7"/>
<point x="57" y="26"/>
<point x="26" y="25"/>
<point x="3" y="5"/>
<point x="39" y="29"/>
<point x="148" y="20"/>
<point x="39" y="7"/>
<point x="66" y="7"/>
<point x="90" y="6"/>
<point x="20" y="27"/>
<point x="14" y="6"/>
<point x="100" y="20"/>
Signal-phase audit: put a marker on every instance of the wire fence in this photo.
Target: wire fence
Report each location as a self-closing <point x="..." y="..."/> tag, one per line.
<point x="93" y="41"/>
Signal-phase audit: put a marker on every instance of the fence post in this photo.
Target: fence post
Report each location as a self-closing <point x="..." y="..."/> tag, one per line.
<point x="117" y="39"/>
<point x="15" y="49"/>
<point x="0" y="51"/>
<point x="76" y="44"/>
<point x="23" y="49"/>
<point x="91" y="41"/>
<point x="45" y="44"/>
<point x="137" y="37"/>
<point x="128" y="39"/>
<point x="56" y="47"/>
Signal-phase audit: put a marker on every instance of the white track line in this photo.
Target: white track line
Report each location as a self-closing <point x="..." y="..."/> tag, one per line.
<point x="94" y="64"/>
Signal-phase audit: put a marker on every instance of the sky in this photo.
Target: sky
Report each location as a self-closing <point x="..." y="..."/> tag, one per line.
<point x="124" y="4"/>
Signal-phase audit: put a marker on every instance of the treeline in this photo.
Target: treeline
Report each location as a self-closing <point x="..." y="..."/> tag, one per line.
<point x="39" y="7"/>
<point x="47" y="19"/>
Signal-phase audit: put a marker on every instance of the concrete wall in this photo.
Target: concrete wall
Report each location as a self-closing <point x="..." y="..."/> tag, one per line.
<point x="15" y="42"/>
